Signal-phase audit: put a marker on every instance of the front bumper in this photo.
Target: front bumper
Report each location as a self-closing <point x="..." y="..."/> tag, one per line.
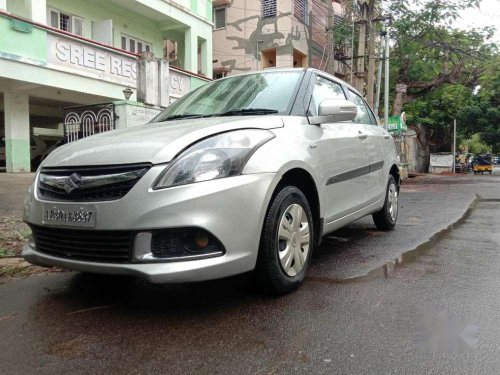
<point x="232" y="209"/>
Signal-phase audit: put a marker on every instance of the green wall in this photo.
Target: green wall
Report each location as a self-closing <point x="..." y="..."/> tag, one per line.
<point x="124" y="21"/>
<point x="31" y="45"/>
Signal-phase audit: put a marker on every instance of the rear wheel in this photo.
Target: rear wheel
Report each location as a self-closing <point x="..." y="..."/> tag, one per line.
<point x="386" y="218"/>
<point x="286" y="243"/>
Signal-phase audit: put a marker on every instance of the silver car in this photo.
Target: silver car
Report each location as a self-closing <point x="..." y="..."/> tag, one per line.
<point x="246" y="173"/>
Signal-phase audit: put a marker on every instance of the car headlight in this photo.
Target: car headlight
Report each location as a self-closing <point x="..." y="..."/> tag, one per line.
<point x="220" y="156"/>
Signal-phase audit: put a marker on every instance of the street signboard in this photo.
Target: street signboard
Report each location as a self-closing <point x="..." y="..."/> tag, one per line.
<point x="397" y="124"/>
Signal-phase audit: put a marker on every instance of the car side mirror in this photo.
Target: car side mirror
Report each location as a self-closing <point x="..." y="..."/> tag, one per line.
<point x="335" y="110"/>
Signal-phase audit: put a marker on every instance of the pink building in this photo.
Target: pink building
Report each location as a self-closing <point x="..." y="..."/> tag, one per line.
<point x="257" y="34"/>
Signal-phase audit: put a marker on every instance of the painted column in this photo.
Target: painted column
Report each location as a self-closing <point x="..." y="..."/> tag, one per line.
<point x="17" y="132"/>
<point x="208" y="57"/>
<point x="191" y="51"/>
<point x="38" y="11"/>
<point x="204" y="57"/>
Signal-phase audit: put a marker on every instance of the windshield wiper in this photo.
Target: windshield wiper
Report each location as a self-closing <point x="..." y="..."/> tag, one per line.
<point x="177" y="117"/>
<point x="247" y="112"/>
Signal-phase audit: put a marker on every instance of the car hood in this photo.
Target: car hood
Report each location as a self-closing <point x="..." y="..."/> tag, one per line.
<point x="154" y="143"/>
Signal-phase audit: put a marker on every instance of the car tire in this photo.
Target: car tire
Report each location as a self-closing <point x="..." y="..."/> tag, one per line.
<point x="386" y="218"/>
<point x="286" y="243"/>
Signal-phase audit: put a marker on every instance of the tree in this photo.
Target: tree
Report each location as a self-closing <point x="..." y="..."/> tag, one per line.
<point x="441" y="66"/>
<point x="475" y="145"/>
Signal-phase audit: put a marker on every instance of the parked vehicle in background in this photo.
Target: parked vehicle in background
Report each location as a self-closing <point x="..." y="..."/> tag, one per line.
<point x="481" y="165"/>
<point x="495" y="159"/>
<point x="246" y="173"/>
<point x="37" y="148"/>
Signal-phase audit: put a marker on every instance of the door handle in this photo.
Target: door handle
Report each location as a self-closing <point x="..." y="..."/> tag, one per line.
<point x="362" y="135"/>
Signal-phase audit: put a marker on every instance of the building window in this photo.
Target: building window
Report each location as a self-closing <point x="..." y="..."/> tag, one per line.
<point x="300" y="10"/>
<point x="219" y="75"/>
<point x="66" y="22"/>
<point x="268" y="8"/>
<point x="220" y="17"/>
<point x="135" y="45"/>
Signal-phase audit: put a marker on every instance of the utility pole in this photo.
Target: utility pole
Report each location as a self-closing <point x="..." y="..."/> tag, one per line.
<point x="379" y="76"/>
<point x="454" y="143"/>
<point x="352" y="50"/>
<point x="386" y="80"/>
<point x="360" y="58"/>
<point x="370" y="80"/>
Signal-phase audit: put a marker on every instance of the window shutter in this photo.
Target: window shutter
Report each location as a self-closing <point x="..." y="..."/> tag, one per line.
<point x="54" y="19"/>
<point x="78" y="26"/>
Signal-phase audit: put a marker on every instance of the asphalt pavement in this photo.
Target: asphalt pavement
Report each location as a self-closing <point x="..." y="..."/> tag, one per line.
<point x="421" y="299"/>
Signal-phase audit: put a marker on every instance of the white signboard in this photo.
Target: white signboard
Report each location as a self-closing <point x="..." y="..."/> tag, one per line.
<point x="85" y="59"/>
<point x="180" y="84"/>
<point x="441" y="160"/>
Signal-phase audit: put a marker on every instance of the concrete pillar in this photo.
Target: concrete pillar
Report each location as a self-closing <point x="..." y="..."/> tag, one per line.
<point x="17" y="132"/>
<point x="3" y="5"/>
<point x="38" y="11"/>
<point x="191" y="51"/>
<point x="206" y="57"/>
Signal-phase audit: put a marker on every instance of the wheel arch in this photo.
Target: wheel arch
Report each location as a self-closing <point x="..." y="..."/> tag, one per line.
<point x="303" y="180"/>
<point x="394" y="172"/>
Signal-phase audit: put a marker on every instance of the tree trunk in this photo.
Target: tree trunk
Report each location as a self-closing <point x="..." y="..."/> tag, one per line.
<point x="423" y="151"/>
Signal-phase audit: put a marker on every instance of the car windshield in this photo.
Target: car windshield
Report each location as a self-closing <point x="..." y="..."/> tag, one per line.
<point x="249" y="94"/>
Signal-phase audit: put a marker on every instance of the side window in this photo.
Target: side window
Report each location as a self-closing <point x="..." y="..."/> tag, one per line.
<point x="324" y="89"/>
<point x="364" y="115"/>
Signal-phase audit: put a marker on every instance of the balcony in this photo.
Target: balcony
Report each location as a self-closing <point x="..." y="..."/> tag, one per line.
<point x="47" y="56"/>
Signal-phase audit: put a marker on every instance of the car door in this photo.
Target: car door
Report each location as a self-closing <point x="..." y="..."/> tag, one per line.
<point x="343" y="163"/>
<point x="375" y="146"/>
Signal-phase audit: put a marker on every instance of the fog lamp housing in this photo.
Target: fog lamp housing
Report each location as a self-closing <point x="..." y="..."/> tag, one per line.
<point x="176" y="244"/>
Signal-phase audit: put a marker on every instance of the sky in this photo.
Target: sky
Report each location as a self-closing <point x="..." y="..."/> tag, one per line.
<point x="488" y="14"/>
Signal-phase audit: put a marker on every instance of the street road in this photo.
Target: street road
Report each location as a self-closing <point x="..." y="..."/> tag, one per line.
<point x="372" y="303"/>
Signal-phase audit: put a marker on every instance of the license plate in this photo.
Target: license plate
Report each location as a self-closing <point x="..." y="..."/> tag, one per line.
<point x="75" y="215"/>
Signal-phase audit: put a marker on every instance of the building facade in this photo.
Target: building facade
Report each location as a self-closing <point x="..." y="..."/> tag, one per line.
<point x="56" y="54"/>
<point x="250" y="35"/>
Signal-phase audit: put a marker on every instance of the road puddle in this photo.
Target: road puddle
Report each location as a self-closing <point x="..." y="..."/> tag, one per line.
<point x="388" y="269"/>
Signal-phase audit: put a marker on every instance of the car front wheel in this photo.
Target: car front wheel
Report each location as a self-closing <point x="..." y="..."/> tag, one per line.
<point x="386" y="218"/>
<point x="286" y="243"/>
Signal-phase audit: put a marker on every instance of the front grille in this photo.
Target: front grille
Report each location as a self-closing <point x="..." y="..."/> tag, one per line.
<point x="89" y="184"/>
<point x="89" y="245"/>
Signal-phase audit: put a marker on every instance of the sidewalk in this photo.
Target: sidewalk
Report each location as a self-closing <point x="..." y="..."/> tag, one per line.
<point x="13" y="231"/>
<point x="13" y="189"/>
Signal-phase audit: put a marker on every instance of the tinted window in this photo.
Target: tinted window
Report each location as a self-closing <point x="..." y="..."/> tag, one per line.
<point x="364" y="115"/>
<point x="32" y="142"/>
<point x="324" y="89"/>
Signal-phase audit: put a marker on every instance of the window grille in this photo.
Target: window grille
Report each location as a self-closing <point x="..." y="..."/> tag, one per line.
<point x="220" y="17"/>
<point x="268" y="8"/>
<point x="64" y="22"/>
<point x="300" y="10"/>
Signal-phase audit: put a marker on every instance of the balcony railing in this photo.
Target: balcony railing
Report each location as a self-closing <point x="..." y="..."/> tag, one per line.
<point x="82" y="56"/>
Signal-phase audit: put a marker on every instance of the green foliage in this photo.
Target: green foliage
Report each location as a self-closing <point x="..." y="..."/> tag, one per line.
<point x="442" y="67"/>
<point x="475" y="144"/>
